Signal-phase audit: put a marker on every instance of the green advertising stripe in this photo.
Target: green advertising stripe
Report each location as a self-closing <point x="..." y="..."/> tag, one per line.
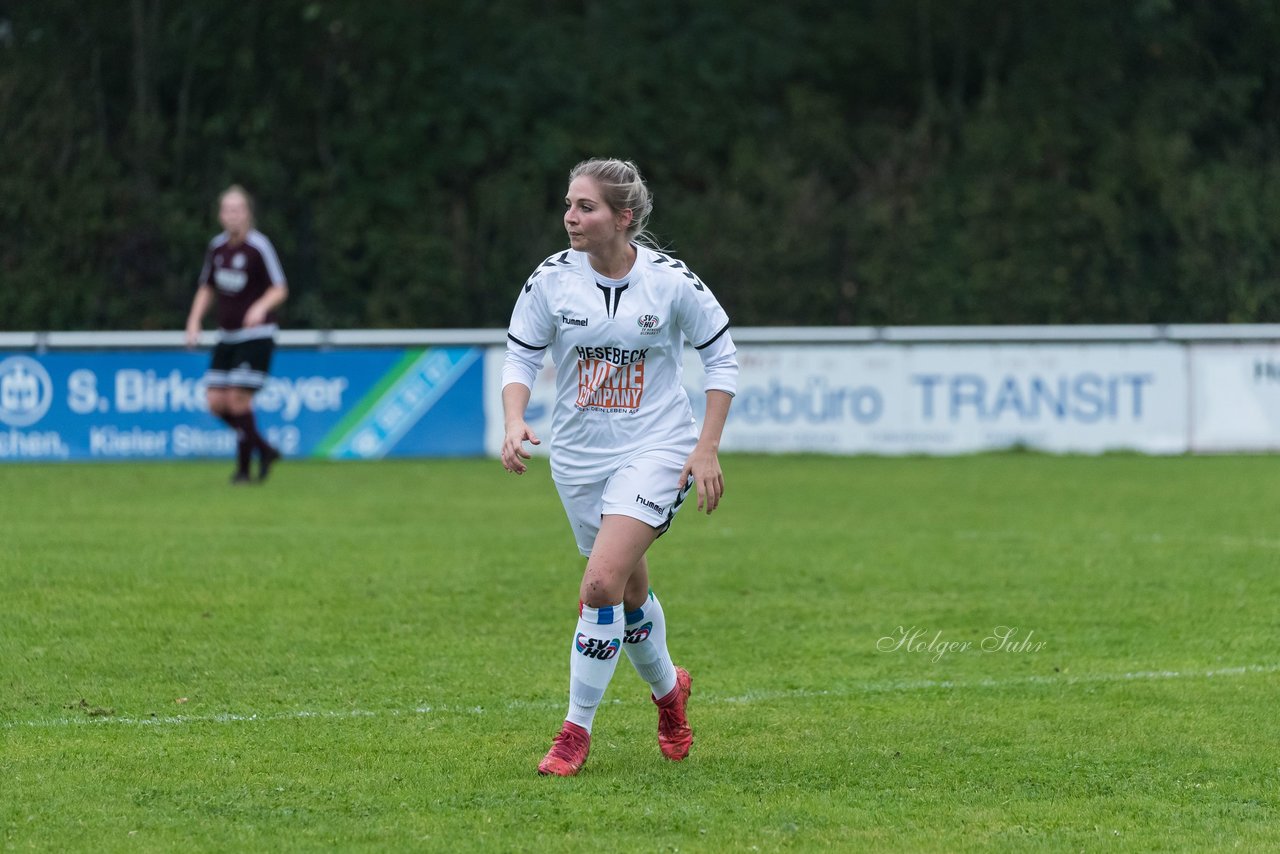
<point x="368" y="402"/>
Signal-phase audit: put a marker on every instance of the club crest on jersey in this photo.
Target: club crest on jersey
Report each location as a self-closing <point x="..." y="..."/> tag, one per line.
<point x="601" y="650"/>
<point x="649" y="324"/>
<point x="237" y="261"/>
<point x="639" y="634"/>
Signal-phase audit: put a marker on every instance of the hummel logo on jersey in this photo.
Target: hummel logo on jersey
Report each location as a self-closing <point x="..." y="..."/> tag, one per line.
<point x="601" y="650"/>
<point x="652" y="505"/>
<point x="639" y="634"/>
<point x="573" y="321"/>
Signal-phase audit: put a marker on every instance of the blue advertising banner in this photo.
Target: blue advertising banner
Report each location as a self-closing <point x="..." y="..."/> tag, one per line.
<point x="348" y="404"/>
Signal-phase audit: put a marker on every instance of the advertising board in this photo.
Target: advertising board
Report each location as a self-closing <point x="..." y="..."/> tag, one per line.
<point x="341" y="404"/>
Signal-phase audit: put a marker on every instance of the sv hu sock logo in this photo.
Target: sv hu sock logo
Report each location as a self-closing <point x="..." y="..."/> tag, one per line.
<point x="639" y="634"/>
<point x="602" y="650"/>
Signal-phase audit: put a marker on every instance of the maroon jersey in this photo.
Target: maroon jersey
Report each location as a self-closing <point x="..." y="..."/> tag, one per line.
<point x="241" y="274"/>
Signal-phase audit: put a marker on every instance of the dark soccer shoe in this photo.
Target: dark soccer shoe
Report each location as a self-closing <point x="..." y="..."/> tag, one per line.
<point x="267" y="457"/>
<point x="674" y="736"/>
<point x="568" y="752"/>
<point x="241" y="479"/>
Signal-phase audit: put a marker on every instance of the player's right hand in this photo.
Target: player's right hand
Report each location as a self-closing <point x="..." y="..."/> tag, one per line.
<point x="192" y="335"/>
<point x="513" y="452"/>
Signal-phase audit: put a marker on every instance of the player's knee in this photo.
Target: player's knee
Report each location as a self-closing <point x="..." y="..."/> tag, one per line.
<point x="597" y="597"/>
<point x="239" y="402"/>
<point x="600" y="589"/>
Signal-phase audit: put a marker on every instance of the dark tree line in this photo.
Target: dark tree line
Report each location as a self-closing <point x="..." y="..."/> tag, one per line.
<point x="875" y="162"/>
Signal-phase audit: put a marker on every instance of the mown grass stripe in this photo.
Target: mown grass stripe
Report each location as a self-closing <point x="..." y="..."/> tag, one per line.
<point x="881" y="687"/>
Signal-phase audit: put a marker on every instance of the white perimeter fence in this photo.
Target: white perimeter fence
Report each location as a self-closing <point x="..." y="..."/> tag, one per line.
<point x="845" y="390"/>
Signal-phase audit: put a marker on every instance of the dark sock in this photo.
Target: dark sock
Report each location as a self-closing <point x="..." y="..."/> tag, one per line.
<point x="248" y="440"/>
<point x="244" y="453"/>
<point x="242" y="450"/>
<point x="249" y="425"/>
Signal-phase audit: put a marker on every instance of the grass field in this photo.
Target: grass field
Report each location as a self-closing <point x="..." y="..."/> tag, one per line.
<point x="374" y="657"/>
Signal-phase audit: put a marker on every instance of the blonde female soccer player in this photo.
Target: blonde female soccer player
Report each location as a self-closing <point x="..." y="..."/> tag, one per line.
<point x="242" y="273"/>
<point x="625" y="449"/>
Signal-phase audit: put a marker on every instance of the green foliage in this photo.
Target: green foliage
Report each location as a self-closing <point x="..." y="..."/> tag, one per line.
<point x="870" y="163"/>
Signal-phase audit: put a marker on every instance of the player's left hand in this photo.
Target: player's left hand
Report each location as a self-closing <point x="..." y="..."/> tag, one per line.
<point x="255" y="316"/>
<point x="703" y="466"/>
<point x="513" y="452"/>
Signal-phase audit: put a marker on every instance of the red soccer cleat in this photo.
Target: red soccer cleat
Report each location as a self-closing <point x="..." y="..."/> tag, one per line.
<point x="568" y="752"/>
<point x="674" y="736"/>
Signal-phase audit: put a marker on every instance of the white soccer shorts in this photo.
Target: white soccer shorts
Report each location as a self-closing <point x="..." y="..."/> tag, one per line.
<point x="645" y="487"/>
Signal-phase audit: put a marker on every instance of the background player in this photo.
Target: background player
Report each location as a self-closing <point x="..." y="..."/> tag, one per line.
<point x="624" y="448"/>
<point x="242" y="269"/>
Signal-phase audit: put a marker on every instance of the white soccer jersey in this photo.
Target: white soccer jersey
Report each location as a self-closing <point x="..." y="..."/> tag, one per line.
<point x="618" y="349"/>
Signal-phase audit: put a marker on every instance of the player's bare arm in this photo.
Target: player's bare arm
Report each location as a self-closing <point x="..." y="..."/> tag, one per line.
<point x="269" y="301"/>
<point x="703" y="464"/>
<point x="199" y="307"/>
<point x="515" y="399"/>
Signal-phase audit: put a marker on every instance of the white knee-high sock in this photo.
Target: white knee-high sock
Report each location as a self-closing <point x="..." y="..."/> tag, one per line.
<point x="646" y="644"/>
<point x="592" y="660"/>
